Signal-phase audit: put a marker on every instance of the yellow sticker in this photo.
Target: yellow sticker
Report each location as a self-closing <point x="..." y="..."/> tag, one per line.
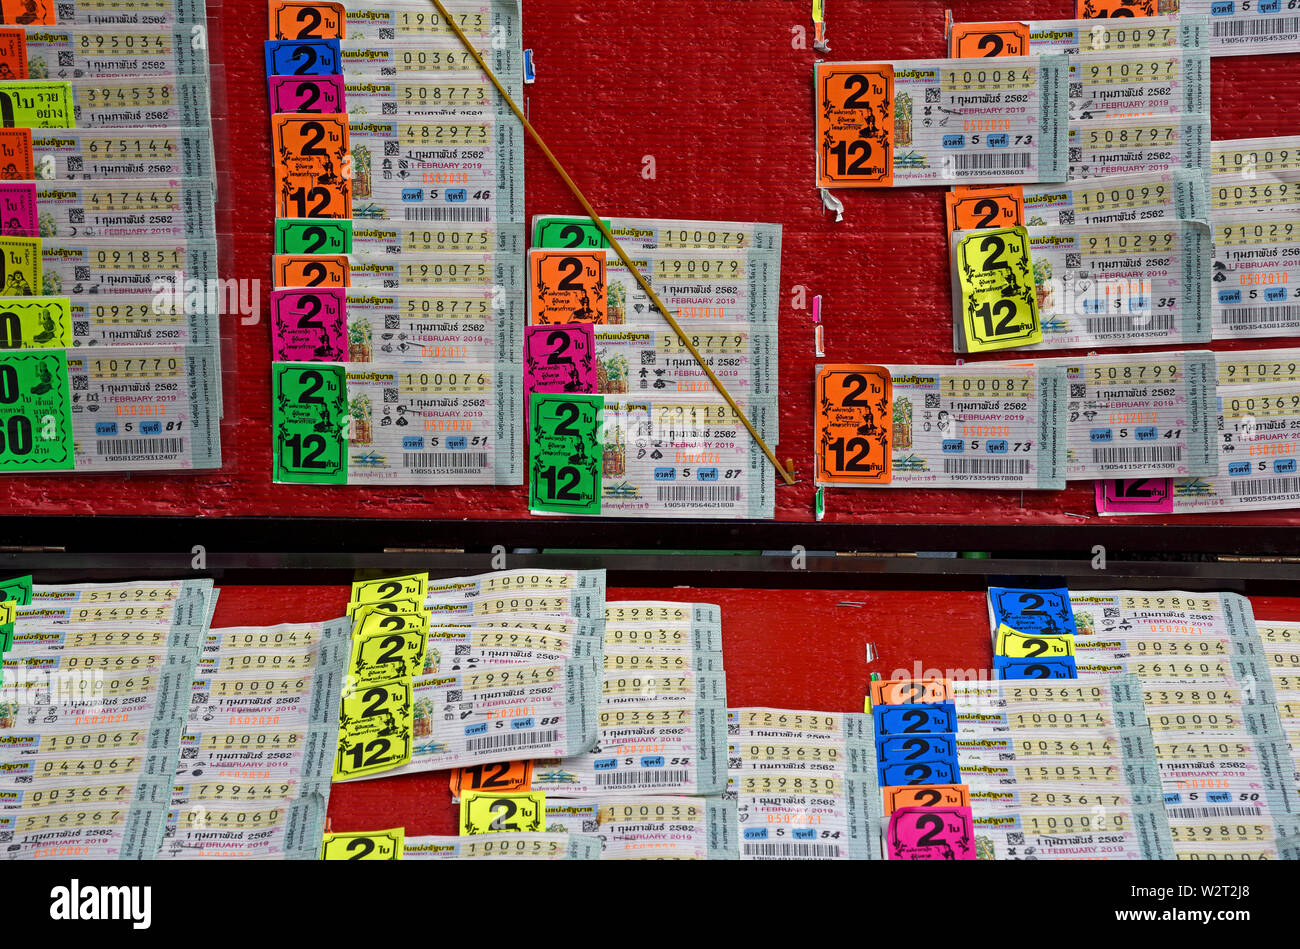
<point x="1016" y="645"/>
<point x="8" y="612"/>
<point x="999" y="301"/>
<point x="483" y="813"/>
<point x="20" y="266"/>
<point x="381" y="656"/>
<point x="365" y="755"/>
<point x="411" y="585"/>
<point x="36" y="323"/>
<point x="379" y="709"/>
<point x="370" y="622"/>
<point x="395" y="605"/>
<point x="371" y="845"/>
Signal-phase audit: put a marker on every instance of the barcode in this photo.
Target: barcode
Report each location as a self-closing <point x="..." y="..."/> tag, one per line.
<point x="796" y="850"/>
<point x="1158" y="454"/>
<point x="699" y="492"/>
<point x="999" y="160"/>
<point x="1250" y="315"/>
<point x="1239" y="811"/>
<point x="446" y="214"/>
<point x="468" y="461"/>
<point x="658" y="777"/>
<point x="986" y="466"/>
<point x="1289" y="24"/>
<point x="1143" y="322"/>
<point x="512" y="740"/>
<point x="1256" y="486"/>
<point x="117" y="447"/>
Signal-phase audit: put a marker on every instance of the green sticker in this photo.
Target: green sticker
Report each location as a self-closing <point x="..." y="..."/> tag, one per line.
<point x="569" y="233"/>
<point x="19" y="589"/>
<point x="35" y="323"/>
<point x="8" y="614"/>
<point x="36" y="105"/>
<point x="310" y="406"/>
<point x="312" y="236"/>
<point x="564" y="444"/>
<point x="35" y="414"/>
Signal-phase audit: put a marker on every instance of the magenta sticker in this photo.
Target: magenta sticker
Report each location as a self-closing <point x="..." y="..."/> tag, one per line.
<point x="931" y="833"/>
<point x="310" y="325"/>
<point x="1136" y="496"/>
<point x="306" y="94"/>
<point x="18" y="209"/>
<point x="559" y="359"/>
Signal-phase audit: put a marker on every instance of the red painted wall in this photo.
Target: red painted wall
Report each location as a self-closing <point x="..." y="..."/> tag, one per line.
<point x="718" y="95"/>
<point x="796" y="649"/>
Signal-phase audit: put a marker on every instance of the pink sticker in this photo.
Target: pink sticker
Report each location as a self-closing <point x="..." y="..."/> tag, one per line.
<point x="559" y="359"/>
<point x="1136" y="496"/>
<point x="18" y="209"/>
<point x="306" y="94"/>
<point x="931" y="833"/>
<point x="310" y="325"/>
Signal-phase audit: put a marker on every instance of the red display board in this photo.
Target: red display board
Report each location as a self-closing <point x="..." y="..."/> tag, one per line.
<point x="796" y="649"/>
<point x="719" y="95"/>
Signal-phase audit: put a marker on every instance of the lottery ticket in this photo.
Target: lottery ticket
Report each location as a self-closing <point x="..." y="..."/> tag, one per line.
<point x="437" y="171"/>
<point x="1200" y="762"/>
<point x="178" y="602"/>
<point x="339" y="324"/>
<point x="467" y="602"/>
<point x="410" y="272"/>
<point x="1135" y="146"/>
<point x="524" y="580"/>
<point x="91" y="12"/>
<point x="355" y="431"/>
<point x="163" y="403"/>
<point x="984" y="425"/>
<point x="485" y="22"/>
<point x="952" y="120"/>
<point x="1237" y="29"/>
<point x="216" y="751"/>
<point x="686" y="687"/>
<point x="102" y="792"/>
<point x="648" y="747"/>
<point x="1127" y="825"/>
<point x="91" y="154"/>
<point x="143" y="208"/>
<point x="451" y="95"/>
<point x="1077" y="36"/>
<point x="669" y="456"/>
<point x="648" y="660"/>
<point x="132" y="103"/>
<point x="1140" y="414"/>
<point x="289" y="830"/>
<point x="621" y="614"/>
<point x="53" y="743"/>
<point x="401" y="238"/>
<point x="265" y="699"/>
<point x="1266" y="191"/>
<point x="999" y="694"/>
<point x="1127" y="613"/>
<point x="1159" y="196"/>
<point x="73" y="52"/>
<point x="516" y="846"/>
<point x="799" y="815"/>
<point x="1111" y="745"/>
<point x="651" y="828"/>
<point x="104" y="265"/>
<point x="1256" y="253"/>
<point x="85" y="832"/>
<point x="36" y="638"/>
<point x="1249" y="158"/>
<point x="1139" y="82"/>
<point x="553" y="230"/>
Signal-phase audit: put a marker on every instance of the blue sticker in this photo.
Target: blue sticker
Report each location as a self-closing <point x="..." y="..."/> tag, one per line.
<point x="928" y="719"/>
<point x="919" y="772"/>
<point x="1033" y="612"/>
<point x="898" y="749"/>
<point x="303" y="58"/>
<point x="1060" y="668"/>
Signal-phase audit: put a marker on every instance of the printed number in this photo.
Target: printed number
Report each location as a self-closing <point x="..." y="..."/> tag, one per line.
<point x="915" y="720"/>
<point x="573" y="234"/>
<point x="377" y="749"/>
<point x="508" y="808"/>
<point x="858" y="384"/>
<point x="301" y="196"/>
<point x="316" y="234"/>
<point x="1004" y="308"/>
<point x="313" y="445"/>
<point x="316" y="274"/>
<point x="918" y="773"/>
<point x="919" y="747"/>
<point x="1040" y="671"/>
<point x="311" y="16"/>
<point x="986" y="206"/>
<point x="565" y="491"/>
<point x="308" y="96"/>
<point x="11" y="331"/>
<point x="313" y="380"/>
<point x="842" y="151"/>
<point x="573" y="267"/>
<point x="565" y="428"/>
<point x="861" y="84"/>
<point x="1031" y="604"/>
<point x="928" y="797"/>
<point x="307" y="320"/>
<point x="479" y="781"/>
<point x="994" y="260"/>
<point x="376" y="697"/>
<point x="860" y="446"/>
<point x="360" y="848"/>
<point x="1038" y="646"/>
<point x="306" y="57"/>
<point x="994" y="46"/>
<point x="560" y="340"/>
<point x="389" y="589"/>
<point x="931" y="837"/>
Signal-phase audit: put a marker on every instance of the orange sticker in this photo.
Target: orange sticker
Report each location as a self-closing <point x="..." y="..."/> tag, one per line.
<point x="296" y="20"/>
<point x="1100" y="9"/>
<point x="909" y="691"/>
<point x="568" y="286"/>
<point x="313" y="164"/>
<point x="17" y="160"/>
<point x="969" y="210"/>
<point x="981" y="40"/>
<point x="311" y="270"/>
<point x="925" y="795"/>
<point x="855" y="125"/>
<point x="27" y="12"/>
<point x="13" y="54"/>
<point x="495" y="778"/>
<point x="855" y="425"/>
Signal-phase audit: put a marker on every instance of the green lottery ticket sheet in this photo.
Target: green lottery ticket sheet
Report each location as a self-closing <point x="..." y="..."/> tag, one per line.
<point x="1140" y="415"/>
<point x="147" y="208"/>
<point x="147" y="408"/>
<point x="1077" y="36"/>
<point x="349" y="423"/>
<point x="941" y="121"/>
<point x="1106" y="285"/>
<point x="1256" y="277"/>
<point x="666" y="456"/>
<point x="514" y="846"/>
<point x="67" y="52"/>
<point x="1179" y="194"/>
<point x="485" y="22"/>
<point x="432" y="170"/>
<point x="1142" y="82"/>
<point x="90" y="154"/>
<point x="1134" y="146"/>
<point x="559" y="231"/>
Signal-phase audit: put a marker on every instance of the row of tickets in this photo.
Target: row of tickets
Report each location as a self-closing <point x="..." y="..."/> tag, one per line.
<point x="398" y="243"/>
<point x="469" y="671"/>
<point x="108" y="239"/>
<point x="1190" y="430"/>
<point x="1235" y="28"/>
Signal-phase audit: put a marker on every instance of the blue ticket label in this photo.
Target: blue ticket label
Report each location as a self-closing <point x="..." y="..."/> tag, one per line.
<point x="919" y="772"/>
<point x="901" y="749"/>
<point x="1059" y="668"/>
<point x="1033" y="612"/>
<point x="914" y="719"/>
<point x="303" y="58"/>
